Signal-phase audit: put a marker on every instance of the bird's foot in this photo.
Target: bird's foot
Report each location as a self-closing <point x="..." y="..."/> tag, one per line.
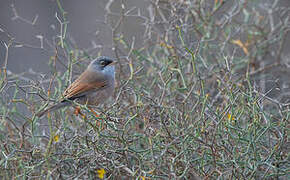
<point x="77" y="111"/>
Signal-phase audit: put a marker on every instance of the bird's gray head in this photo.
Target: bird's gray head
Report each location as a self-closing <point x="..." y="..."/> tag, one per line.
<point x="103" y="64"/>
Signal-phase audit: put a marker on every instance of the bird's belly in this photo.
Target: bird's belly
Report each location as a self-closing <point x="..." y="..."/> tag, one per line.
<point x="97" y="97"/>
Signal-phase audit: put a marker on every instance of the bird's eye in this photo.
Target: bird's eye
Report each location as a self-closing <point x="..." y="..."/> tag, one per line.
<point x="103" y="63"/>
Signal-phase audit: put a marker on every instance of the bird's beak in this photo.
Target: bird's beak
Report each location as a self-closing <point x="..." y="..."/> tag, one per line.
<point x="113" y="63"/>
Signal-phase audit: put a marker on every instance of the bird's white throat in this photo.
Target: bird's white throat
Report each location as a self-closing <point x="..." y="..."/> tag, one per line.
<point x="109" y="71"/>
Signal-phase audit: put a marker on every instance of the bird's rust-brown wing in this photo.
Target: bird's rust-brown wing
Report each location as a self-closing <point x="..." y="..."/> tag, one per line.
<point x="85" y="83"/>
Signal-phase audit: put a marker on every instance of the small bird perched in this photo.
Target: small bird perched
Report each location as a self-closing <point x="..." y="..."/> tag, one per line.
<point x="92" y="87"/>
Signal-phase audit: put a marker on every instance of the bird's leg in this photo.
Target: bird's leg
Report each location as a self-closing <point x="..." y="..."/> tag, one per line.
<point x="77" y="111"/>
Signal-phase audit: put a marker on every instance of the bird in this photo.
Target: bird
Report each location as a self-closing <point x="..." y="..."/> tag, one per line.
<point x="95" y="85"/>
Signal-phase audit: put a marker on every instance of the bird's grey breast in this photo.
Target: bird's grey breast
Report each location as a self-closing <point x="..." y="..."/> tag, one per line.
<point x="101" y="95"/>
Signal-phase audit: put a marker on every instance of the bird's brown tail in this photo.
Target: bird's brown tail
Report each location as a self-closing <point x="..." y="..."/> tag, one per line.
<point x="52" y="108"/>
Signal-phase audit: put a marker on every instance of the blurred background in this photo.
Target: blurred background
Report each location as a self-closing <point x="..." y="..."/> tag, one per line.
<point x="30" y="22"/>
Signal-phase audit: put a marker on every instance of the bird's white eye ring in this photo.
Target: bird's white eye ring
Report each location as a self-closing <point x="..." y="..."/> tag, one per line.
<point x="103" y="63"/>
